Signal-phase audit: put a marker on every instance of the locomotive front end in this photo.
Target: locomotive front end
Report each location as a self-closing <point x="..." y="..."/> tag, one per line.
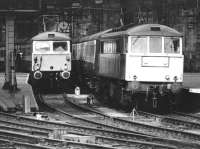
<point x="154" y="66"/>
<point x="56" y="59"/>
<point x="51" y="57"/>
<point x="158" y="64"/>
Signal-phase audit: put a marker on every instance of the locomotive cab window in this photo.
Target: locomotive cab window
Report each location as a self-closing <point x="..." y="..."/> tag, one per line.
<point x="155" y="45"/>
<point x="59" y="46"/>
<point x="171" y="45"/>
<point x="138" y="45"/>
<point x="42" y="46"/>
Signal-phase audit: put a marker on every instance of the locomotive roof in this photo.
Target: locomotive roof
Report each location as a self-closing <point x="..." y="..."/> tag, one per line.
<point x="143" y="30"/>
<point x="93" y="36"/>
<point x="52" y="36"/>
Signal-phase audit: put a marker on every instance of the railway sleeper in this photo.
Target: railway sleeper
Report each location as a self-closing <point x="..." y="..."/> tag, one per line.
<point x="90" y="130"/>
<point x="50" y="142"/>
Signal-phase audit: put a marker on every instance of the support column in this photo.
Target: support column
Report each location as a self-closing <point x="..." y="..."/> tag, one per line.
<point x="10" y="78"/>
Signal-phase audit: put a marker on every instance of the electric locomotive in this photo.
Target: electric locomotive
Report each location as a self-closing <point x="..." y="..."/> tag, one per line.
<point x="132" y="66"/>
<point x="51" y="60"/>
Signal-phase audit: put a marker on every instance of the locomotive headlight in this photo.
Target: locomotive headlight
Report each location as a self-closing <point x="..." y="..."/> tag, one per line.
<point x="65" y="67"/>
<point x="167" y="77"/>
<point x="36" y="67"/>
<point x="68" y="59"/>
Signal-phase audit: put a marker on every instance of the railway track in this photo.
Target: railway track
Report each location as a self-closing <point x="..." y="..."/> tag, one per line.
<point x="178" y="120"/>
<point x="112" y="138"/>
<point x="24" y="133"/>
<point x="73" y="110"/>
<point x="177" y="143"/>
<point x="169" y="132"/>
<point x="116" y="142"/>
<point x="8" y="144"/>
<point x="188" y="116"/>
<point x="76" y="115"/>
<point x="44" y="141"/>
<point x="99" y="139"/>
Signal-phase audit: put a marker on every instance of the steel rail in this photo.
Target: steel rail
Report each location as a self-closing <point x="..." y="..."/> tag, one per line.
<point x="104" y="126"/>
<point x="99" y="139"/>
<point x="154" y="139"/>
<point x="172" y="120"/>
<point x="66" y="128"/>
<point x="51" y="142"/>
<point x="192" y="116"/>
<point x="145" y="128"/>
<point x="22" y="145"/>
<point x="25" y="130"/>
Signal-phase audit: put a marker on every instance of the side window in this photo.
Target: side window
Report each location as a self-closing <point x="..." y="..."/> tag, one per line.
<point x="155" y="44"/>
<point x="78" y="51"/>
<point x="171" y="45"/>
<point x="74" y="51"/>
<point x="113" y="46"/>
<point x="59" y="46"/>
<point x="101" y="46"/>
<point x="42" y="46"/>
<point x="119" y="45"/>
<point x="82" y="49"/>
<point x="110" y="47"/>
<point x="92" y="46"/>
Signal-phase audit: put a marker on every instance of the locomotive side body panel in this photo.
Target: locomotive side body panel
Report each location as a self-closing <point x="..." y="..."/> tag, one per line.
<point x="84" y="55"/>
<point x="112" y="65"/>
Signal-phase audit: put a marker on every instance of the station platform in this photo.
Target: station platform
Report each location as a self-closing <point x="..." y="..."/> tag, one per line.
<point x="10" y="101"/>
<point x="191" y="81"/>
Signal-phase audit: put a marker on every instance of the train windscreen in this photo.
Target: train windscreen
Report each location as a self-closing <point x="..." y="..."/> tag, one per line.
<point x="171" y="45"/>
<point x="59" y="46"/>
<point x="155" y="44"/>
<point x="42" y="46"/>
<point x="138" y="45"/>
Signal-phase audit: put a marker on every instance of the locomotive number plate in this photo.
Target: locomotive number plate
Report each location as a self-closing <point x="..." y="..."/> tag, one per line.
<point x="154" y="61"/>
